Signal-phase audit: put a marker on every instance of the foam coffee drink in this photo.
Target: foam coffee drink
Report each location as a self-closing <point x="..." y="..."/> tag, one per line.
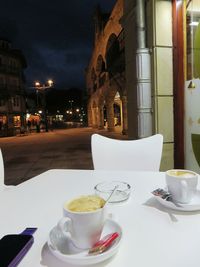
<point x="182" y="184"/>
<point x="86" y="203"/>
<point x="181" y="173"/>
<point x="84" y="219"/>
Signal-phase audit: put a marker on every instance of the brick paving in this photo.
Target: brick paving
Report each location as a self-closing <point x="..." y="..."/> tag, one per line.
<point x="26" y="156"/>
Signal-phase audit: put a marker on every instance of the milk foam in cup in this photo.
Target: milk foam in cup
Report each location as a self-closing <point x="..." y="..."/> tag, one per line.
<point x="86" y="203"/>
<point x="84" y="219"/>
<point x="182" y="184"/>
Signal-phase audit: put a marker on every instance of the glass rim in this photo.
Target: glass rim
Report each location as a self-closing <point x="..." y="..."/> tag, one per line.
<point x="128" y="187"/>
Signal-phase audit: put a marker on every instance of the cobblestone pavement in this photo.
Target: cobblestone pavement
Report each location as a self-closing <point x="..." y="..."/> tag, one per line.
<point x="29" y="155"/>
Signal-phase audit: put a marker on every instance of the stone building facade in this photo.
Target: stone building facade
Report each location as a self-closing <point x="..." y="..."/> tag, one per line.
<point x="157" y="84"/>
<point x="12" y="89"/>
<point x="105" y="74"/>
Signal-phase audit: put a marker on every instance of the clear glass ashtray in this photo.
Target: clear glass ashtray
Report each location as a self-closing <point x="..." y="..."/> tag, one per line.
<point x="121" y="193"/>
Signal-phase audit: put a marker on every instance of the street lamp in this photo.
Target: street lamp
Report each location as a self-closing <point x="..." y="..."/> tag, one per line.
<point x="42" y="88"/>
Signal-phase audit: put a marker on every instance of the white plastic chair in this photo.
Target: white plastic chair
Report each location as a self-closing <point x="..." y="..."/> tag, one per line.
<point x="139" y="155"/>
<point x="2" y="183"/>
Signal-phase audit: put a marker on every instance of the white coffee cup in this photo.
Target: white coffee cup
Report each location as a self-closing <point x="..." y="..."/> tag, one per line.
<point x="182" y="184"/>
<point x="84" y="228"/>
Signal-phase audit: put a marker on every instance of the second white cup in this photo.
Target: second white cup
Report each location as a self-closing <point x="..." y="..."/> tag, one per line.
<point x="182" y="184"/>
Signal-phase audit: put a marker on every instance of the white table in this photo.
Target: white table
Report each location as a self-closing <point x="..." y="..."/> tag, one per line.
<point x="153" y="235"/>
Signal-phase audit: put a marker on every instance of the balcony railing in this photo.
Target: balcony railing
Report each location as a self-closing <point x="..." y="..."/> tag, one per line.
<point x="9" y="69"/>
<point x="9" y="90"/>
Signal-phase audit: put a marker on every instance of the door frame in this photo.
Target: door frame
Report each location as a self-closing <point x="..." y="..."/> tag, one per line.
<point x="178" y="17"/>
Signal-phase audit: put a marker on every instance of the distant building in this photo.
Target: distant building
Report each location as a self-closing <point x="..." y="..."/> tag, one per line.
<point x="61" y="108"/>
<point x="70" y="105"/>
<point x="12" y="88"/>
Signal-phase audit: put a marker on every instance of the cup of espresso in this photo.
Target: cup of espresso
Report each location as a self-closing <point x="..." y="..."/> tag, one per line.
<point x="84" y="219"/>
<point x="182" y="184"/>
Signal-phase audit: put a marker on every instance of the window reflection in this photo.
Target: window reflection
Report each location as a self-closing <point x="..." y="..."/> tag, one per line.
<point x="193" y="39"/>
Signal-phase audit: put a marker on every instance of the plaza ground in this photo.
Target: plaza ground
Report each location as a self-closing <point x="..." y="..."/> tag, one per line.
<point x="29" y="155"/>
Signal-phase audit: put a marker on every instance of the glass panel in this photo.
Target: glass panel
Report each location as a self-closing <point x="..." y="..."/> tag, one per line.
<point x="193" y="39"/>
<point x="192" y="86"/>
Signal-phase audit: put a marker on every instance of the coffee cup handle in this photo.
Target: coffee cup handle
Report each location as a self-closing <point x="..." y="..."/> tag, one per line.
<point x="64" y="225"/>
<point x="184" y="189"/>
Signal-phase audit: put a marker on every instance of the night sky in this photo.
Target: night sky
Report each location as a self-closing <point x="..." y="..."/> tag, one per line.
<point x="55" y="36"/>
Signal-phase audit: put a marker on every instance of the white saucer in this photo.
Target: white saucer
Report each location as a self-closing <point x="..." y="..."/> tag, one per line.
<point x="62" y="247"/>
<point x="194" y="205"/>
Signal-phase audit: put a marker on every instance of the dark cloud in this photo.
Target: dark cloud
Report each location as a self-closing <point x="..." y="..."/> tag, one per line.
<point x="56" y="37"/>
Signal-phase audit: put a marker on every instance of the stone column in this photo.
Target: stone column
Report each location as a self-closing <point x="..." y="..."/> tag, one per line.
<point x="93" y="118"/>
<point x="110" y="115"/>
<point x="143" y="70"/>
<point x="124" y="115"/>
<point x="95" y="124"/>
<point x="100" y="118"/>
<point x="89" y="116"/>
<point x="144" y="93"/>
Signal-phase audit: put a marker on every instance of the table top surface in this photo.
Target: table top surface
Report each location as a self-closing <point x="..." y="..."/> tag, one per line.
<point x="152" y="234"/>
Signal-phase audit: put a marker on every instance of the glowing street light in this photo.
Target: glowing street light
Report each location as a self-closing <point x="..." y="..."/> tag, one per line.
<point x="37" y="84"/>
<point x="43" y="87"/>
<point x="50" y="83"/>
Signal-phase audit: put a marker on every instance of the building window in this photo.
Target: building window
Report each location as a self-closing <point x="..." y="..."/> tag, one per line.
<point x="2" y="102"/>
<point x="2" y="80"/>
<point x="16" y="101"/>
<point x="3" y="122"/>
<point x="16" y="121"/>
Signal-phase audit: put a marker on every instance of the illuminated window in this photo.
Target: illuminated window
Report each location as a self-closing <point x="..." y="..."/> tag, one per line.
<point x="16" y="121"/>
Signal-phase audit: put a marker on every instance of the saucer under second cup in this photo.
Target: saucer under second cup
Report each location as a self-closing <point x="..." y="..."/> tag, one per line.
<point x="194" y="205"/>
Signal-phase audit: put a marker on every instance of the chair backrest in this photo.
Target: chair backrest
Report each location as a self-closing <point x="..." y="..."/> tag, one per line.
<point x="1" y="171"/>
<point x="139" y="155"/>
